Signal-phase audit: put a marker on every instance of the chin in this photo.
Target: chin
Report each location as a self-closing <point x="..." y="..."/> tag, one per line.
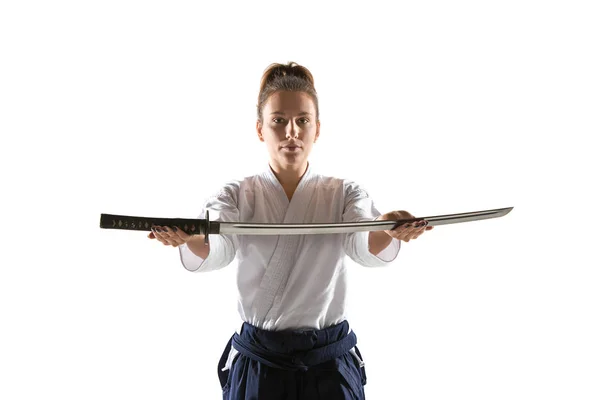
<point x="295" y="161"/>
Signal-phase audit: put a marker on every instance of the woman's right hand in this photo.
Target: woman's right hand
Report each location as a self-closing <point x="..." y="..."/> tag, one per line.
<point x="169" y="237"/>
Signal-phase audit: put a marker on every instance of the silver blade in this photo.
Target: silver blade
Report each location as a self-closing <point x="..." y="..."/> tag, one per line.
<point x="239" y="228"/>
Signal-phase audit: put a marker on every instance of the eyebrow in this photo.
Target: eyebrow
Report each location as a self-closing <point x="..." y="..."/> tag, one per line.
<point x="282" y="113"/>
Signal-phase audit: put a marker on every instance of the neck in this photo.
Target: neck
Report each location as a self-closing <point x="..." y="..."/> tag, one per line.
<point x="289" y="175"/>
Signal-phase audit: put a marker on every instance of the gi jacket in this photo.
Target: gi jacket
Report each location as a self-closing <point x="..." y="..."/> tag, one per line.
<point x="290" y="281"/>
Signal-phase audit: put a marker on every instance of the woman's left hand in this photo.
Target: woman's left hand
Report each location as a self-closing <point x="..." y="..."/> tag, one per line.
<point x="407" y="231"/>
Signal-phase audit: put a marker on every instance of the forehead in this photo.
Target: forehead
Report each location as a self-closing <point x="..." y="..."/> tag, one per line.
<point x="290" y="102"/>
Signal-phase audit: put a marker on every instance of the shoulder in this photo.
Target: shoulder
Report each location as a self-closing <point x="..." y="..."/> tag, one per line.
<point x="349" y="188"/>
<point x="227" y="192"/>
<point x="231" y="189"/>
<point x="353" y="189"/>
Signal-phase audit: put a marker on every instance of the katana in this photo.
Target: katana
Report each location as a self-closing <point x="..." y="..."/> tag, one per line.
<point x="194" y="226"/>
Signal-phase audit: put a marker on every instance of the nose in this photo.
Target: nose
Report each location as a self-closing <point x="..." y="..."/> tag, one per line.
<point x="291" y="131"/>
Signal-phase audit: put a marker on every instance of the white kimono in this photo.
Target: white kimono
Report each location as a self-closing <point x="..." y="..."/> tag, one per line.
<point x="290" y="281"/>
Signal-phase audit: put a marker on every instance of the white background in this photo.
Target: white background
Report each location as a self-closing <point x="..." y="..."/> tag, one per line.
<point x="145" y="108"/>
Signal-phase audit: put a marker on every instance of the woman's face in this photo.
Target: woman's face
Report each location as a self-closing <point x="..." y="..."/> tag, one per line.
<point x="289" y="128"/>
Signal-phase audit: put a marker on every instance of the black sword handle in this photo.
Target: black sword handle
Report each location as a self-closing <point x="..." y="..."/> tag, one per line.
<point x="191" y="226"/>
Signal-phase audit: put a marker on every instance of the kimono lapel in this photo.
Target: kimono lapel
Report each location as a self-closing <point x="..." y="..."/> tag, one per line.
<point x="282" y="260"/>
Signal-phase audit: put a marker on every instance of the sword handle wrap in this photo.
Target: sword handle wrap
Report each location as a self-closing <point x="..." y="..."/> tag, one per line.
<point x="191" y="226"/>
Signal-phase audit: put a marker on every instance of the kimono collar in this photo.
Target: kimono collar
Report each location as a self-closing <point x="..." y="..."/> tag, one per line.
<point x="270" y="175"/>
<point x="275" y="187"/>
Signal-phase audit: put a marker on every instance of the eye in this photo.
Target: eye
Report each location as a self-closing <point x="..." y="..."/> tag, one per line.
<point x="276" y="120"/>
<point x="304" y="120"/>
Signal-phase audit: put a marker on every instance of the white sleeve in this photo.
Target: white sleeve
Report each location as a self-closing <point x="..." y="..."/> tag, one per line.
<point x="223" y="248"/>
<point x="358" y="206"/>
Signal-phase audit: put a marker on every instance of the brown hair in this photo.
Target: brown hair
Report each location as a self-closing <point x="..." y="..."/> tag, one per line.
<point x="289" y="77"/>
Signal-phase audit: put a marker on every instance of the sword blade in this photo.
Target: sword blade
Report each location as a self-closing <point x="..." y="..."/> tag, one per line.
<point x="241" y="228"/>
<point x="201" y="226"/>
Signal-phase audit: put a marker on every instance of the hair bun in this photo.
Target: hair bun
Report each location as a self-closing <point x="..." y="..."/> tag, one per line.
<point x="277" y="71"/>
<point x="286" y="77"/>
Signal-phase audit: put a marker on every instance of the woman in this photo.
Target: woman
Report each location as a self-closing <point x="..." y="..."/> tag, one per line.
<point x="295" y="342"/>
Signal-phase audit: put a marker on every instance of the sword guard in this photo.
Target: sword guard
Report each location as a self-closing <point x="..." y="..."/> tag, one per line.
<point x="207" y="229"/>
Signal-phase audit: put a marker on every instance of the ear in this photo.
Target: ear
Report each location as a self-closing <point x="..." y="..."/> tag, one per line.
<point x="318" y="131"/>
<point x="259" y="130"/>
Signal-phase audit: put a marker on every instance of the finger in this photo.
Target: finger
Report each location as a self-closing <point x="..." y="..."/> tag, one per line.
<point x="418" y="228"/>
<point x="181" y="234"/>
<point x="420" y="223"/>
<point x="401" y="228"/>
<point x="178" y="236"/>
<point x="167" y="232"/>
<point x="159" y="235"/>
<point x="414" y="234"/>
<point x="401" y="234"/>
<point x="423" y="226"/>
<point x="170" y="236"/>
<point x="404" y="234"/>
